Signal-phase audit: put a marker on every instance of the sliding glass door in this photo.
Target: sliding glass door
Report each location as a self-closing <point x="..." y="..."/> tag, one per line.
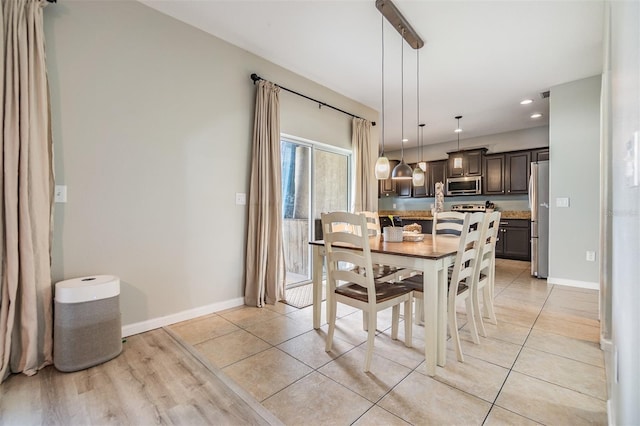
<point x="315" y="178"/>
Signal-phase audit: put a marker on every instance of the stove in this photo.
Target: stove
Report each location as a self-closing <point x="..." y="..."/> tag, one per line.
<point x="470" y="207"/>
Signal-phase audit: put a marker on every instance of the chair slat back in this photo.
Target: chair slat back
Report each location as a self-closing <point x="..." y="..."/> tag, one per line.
<point x="468" y="248"/>
<point x="450" y="223"/>
<point x="348" y="265"/>
<point x="488" y="238"/>
<point x="373" y="223"/>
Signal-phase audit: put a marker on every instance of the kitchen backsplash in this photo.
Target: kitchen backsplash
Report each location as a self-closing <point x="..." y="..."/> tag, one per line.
<point x="502" y="202"/>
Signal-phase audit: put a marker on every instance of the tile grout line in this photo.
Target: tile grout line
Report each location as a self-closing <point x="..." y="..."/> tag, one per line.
<point x="493" y="404"/>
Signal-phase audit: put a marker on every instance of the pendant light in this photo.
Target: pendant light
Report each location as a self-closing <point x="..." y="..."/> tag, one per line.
<point x="457" y="162"/>
<point x="418" y="173"/>
<point x="382" y="168"/>
<point x="422" y="164"/>
<point x="402" y="170"/>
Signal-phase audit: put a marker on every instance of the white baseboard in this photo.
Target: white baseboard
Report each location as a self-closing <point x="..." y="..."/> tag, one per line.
<point x="574" y="283"/>
<point x="152" y="324"/>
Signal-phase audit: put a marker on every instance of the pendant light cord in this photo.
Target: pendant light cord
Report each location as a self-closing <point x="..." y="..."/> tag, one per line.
<point x="402" y="95"/>
<point x="382" y="31"/>
<point x="418" y="102"/>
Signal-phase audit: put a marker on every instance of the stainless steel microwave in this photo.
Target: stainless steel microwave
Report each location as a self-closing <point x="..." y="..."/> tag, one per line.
<point x="471" y="185"/>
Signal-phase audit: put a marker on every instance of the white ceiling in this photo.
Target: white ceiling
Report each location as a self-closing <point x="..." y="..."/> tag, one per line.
<point x="479" y="60"/>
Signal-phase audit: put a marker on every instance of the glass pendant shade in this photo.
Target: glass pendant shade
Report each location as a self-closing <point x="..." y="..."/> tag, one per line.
<point x="423" y="165"/>
<point x="418" y="177"/>
<point x="402" y="171"/>
<point x="382" y="168"/>
<point x="457" y="163"/>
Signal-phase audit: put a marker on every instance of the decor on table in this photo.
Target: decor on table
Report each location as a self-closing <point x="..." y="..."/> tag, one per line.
<point x="439" y="204"/>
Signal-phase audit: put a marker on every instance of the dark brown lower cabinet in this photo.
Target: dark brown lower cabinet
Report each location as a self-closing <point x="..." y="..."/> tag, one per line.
<point x="514" y="239"/>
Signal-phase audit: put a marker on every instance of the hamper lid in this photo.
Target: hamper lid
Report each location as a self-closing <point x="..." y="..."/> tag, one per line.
<point x="85" y="289"/>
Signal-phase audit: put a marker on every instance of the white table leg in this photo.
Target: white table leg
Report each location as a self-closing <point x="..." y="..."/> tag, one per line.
<point x="317" y="258"/>
<point x="430" y="307"/>
<point x="442" y="310"/>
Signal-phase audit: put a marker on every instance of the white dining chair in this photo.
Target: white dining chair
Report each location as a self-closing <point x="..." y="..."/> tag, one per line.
<point x="485" y="271"/>
<point x="444" y="223"/>
<point x="461" y="284"/>
<point x="356" y="286"/>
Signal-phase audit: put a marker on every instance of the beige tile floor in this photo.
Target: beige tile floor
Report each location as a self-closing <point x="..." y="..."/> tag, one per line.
<point x="541" y="364"/>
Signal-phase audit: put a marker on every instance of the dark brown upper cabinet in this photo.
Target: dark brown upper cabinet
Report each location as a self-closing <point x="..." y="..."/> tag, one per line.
<point x="493" y="174"/>
<point x="471" y="163"/>
<point x="517" y="170"/>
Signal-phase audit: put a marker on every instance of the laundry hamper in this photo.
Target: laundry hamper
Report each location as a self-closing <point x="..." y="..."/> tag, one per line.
<point x="87" y="326"/>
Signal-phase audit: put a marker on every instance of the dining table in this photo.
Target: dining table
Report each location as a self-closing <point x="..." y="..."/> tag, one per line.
<point x="432" y="256"/>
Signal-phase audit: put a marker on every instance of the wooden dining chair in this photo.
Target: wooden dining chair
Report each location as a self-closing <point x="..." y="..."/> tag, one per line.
<point x="461" y="285"/>
<point x="485" y="271"/>
<point x="356" y="286"/>
<point x="381" y="272"/>
<point x="444" y="223"/>
<point x="447" y="223"/>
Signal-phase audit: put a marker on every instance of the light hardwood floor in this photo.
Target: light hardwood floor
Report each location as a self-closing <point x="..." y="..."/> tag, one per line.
<point x="153" y="381"/>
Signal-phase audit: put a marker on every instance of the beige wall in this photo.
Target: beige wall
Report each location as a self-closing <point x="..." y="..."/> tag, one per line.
<point x="574" y="173"/>
<point x="152" y="124"/>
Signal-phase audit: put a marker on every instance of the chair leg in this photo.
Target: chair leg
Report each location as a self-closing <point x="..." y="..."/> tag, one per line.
<point x="331" y="319"/>
<point x="408" y="324"/>
<point x="478" y="313"/>
<point x="395" y="320"/>
<point x="488" y="304"/>
<point x="453" y="329"/>
<point x="419" y="313"/>
<point x="471" y="319"/>
<point x="365" y="320"/>
<point x="371" y="335"/>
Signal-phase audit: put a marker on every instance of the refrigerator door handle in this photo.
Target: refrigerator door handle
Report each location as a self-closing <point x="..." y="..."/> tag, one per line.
<point x="533" y="196"/>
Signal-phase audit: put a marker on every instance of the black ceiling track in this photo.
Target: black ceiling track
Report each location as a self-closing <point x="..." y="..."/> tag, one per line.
<point x="255" y="77"/>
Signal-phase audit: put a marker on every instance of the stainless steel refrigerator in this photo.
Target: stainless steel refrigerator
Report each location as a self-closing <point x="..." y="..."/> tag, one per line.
<point x="539" y="202"/>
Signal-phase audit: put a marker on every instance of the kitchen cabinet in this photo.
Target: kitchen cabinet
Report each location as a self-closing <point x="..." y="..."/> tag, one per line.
<point x="507" y="173"/>
<point x="514" y="239"/>
<point x="493" y="174"/>
<point x="394" y="187"/>
<point x="387" y="187"/>
<point x="540" y="154"/>
<point x="471" y="163"/>
<point x="436" y="172"/>
<point x="516" y="172"/>
<point x="403" y="187"/>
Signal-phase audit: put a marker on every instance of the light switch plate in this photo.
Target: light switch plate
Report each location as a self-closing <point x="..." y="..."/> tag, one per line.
<point x="241" y="198"/>
<point x="60" y="194"/>
<point x="562" y="202"/>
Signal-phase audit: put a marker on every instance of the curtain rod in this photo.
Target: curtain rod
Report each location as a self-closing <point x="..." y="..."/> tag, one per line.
<point x="255" y="77"/>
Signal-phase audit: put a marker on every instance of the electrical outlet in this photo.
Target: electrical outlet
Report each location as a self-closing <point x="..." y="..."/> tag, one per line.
<point x="562" y="202"/>
<point x="591" y="256"/>
<point x="241" y="198"/>
<point x="394" y="205"/>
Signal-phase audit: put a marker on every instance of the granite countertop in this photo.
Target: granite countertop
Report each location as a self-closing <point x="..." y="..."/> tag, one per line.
<point x="426" y="215"/>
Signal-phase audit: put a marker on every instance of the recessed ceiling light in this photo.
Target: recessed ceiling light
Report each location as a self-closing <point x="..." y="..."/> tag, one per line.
<point x="526" y="102"/>
<point x="536" y="115"/>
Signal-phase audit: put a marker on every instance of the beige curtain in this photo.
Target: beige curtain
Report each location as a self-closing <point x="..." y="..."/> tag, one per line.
<point x="265" y="270"/>
<point x="26" y="190"/>
<point x="366" y="195"/>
